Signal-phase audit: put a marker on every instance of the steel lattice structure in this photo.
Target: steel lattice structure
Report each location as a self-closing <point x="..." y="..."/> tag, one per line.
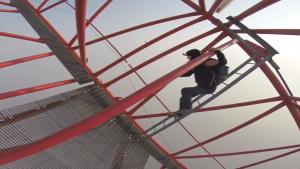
<point x="100" y="80"/>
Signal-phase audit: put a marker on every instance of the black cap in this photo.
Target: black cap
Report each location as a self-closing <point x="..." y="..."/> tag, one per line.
<point x="193" y="53"/>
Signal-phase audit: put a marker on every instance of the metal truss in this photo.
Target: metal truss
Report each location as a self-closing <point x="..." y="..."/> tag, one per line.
<point x="78" y="66"/>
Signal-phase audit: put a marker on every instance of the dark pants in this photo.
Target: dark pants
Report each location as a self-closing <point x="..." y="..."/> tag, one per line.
<point x="188" y="93"/>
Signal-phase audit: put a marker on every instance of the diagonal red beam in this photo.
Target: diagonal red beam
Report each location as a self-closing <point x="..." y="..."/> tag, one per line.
<point x="24" y="59"/>
<point x="238" y="153"/>
<point x="42" y="5"/>
<point x="9" y="10"/>
<point x="268" y="112"/>
<point x="5" y="3"/>
<point x="274" y="31"/>
<point x="277" y="85"/>
<point x="139" y="105"/>
<point x="215" y="5"/>
<point x="270" y="159"/>
<point x="34" y="89"/>
<point x="162" y="55"/>
<point x="259" y="6"/>
<point x="149" y="43"/>
<point x="214" y="42"/>
<point x="142" y="26"/>
<point x="192" y="5"/>
<point x="52" y="6"/>
<point x="223" y="5"/>
<point x="103" y="116"/>
<point x="80" y="6"/>
<point x="92" y="18"/>
<point x="296" y="105"/>
<point x="222" y="107"/>
<point x="12" y="35"/>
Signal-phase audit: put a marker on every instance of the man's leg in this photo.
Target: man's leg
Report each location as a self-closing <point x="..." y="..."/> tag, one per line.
<point x="188" y="93"/>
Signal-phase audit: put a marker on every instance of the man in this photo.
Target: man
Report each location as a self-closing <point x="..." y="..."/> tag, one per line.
<point x="204" y="77"/>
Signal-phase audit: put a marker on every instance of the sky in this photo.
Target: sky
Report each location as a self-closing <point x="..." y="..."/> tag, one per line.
<point x="277" y="129"/>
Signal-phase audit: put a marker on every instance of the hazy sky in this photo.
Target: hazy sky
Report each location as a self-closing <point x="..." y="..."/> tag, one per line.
<point x="277" y="129"/>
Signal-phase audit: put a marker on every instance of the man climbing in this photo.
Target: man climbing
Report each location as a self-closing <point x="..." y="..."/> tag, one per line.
<point x="205" y="78"/>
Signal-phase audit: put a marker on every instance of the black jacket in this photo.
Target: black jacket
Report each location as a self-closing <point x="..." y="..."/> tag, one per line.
<point x="204" y="74"/>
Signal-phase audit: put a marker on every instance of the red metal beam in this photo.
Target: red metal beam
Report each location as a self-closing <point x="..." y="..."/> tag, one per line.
<point x="24" y="59"/>
<point x="192" y="5"/>
<point x="5" y="3"/>
<point x="238" y="153"/>
<point x="214" y="7"/>
<point x="92" y="18"/>
<point x="52" y="6"/>
<point x="295" y="98"/>
<point x="102" y="116"/>
<point x="202" y="5"/>
<point x="42" y="5"/>
<point x="214" y="42"/>
<point x="259" y="6"/>
<point x="80" y="6"/>
<point x="12" y="35"/>
<point x="277" y="85"/>
<point x="222" y="107"/>
<point x="131" y="53"/>
<point x="223" y="5"/>
<point x="162" y="55"/>
<point x="34" y="89"/>
<point x="270" y="159"/>
<point x="274" y="31"/>
<point x="268" y="112"/>
<point x="9" y="10"/>
<point x="249" y="103"/>
<point x="133" y="110"/>
<point x="142" y="26"/>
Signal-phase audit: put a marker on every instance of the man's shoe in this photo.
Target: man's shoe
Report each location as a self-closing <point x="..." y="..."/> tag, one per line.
<point x="173" y="114"/>
<point x="183" y="111"/>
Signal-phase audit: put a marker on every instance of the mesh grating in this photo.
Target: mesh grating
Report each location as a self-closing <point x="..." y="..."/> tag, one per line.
<point x="107" y="146"/>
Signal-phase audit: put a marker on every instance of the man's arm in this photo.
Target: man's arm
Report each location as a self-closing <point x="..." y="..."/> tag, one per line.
<point x="189" y="73"/>
<point x="221" y="57"/>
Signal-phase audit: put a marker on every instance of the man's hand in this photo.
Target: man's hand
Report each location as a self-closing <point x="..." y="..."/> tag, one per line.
<point x="214" y="49"/>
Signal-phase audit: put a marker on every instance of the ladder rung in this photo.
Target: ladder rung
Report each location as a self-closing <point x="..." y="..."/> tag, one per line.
<point x="225" y="83"/>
